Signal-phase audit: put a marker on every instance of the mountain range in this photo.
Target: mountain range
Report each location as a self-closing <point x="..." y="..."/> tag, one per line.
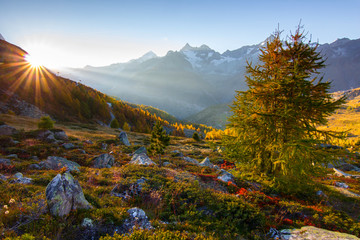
<point x="187" y="81"/>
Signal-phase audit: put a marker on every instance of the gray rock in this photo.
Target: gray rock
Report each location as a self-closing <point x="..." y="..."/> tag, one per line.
<point x="18" y="175"/>
<point x="177" y="153"/>
<point x="12" y="156"/>
<point x="124" y="139"/>
<point x="103" y="146"/>
<point x="206" y="163"/>
<point x="341" y="173"/>
<point x="88" y="142"/>
<point x="7" y="130"/>
<point x="21" y="179"/>
<point x="64" y="194"/>
<point x="61" y="135"/>
<point x="87" y="223"/>
<point x="166" y="164"/>
<point x="191" y="160"/>
<point x="82" y="151"/>
<point x="341" y="184"/>
<point x="3" y="177"/>
<point x="321" y="194"/>
<point x="34" y="166"/>
<point x="46" y="135"/>
<point x="310" y="232"/>
<point x="141" y="159"/>
<point x="68" y="146"/>
<point x="138" y="219"/>
<point x="56" y="163"/>
<point x="5" y="162"/>
<point x="34" y="158"/>
<point x="140" y="150"/>
<point x="127" y="191"/>
<point x="225" y="176"/>
<point x="103" y="161"/>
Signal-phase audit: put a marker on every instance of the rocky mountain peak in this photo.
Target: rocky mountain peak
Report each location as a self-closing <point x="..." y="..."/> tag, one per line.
<point x="203" y="47"/>
<point x="1" y="37"/>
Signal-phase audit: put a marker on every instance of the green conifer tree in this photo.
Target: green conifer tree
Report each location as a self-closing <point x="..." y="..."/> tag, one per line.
<point x="159" y="141"/>
<point x="45" y="123"/>
<point x="274" y="122"/>
<point x="114" y="123"/>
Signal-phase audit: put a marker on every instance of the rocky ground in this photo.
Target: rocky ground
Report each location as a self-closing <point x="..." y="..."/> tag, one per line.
<point x="82" y="181"/>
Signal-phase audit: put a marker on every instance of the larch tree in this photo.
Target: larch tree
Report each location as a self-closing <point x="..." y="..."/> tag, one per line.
<point x="159" y="141"/>
<point x="274" y="122"/>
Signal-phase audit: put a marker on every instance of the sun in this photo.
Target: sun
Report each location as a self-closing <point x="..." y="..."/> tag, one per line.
<point x="34" y="61"/>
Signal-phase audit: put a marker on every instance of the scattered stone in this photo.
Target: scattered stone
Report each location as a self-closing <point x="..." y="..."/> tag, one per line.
<point x="127" y="191"/>
<point x="310" y="232"/>
<point x="64" y="194"/>
<point x="141" y="159"/>
<point x="82" y="151"/>
<point x="61" y="135"/>
<point x="124" y="139"/>
<point x="68" y="146"/>
<point x="5" y="162"/>
<point x="329" y="146"/>
<point x="206" y="163"/>
<point x="3" y="177"/>
<point x="7" y="130"/>
<point x="34" y="166"/>
<point x="87" y="223"/>
<point x="341" y="173"/>
<point x="34" y="158"/>
<point x="21" y="179"/>
<point x="46" y="135"/>
<point x="225" y="176"/>
<point x="191" y="160"/>
<point x="341" y="184"/>
<point x="138" y="219"/>
<point x="56" y="163"/>
<point x="166" y="164"/>
<point x="140" y="151"/>
<point x="103" y="161"/>
<point x="177" y="153"/>
<point x="103" y="146"/>
<point x="321" y="194"/>
<point x="12" y="156"/>
<point x="88" y="142"/>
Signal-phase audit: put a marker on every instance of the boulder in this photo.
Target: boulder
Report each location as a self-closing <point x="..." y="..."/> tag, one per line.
<point x="103" y="146"/>
<point x="141" y="159"/>
<point x="5" y="162"/>
<point x="46" y="135"/>
<point x="64" y="194"/>
<point x="7" y="130"/>
<point x="225" y="176"/>
<point x="191" y="160"/>
<point x="126" y="191"/>
<point x="88" y="142"/>
<point x="68" y="146"/>
<point x="310" y="232"/>
<point x="137" y="219"/>
<point x="12" y="156"/>
<point x="56" y="163"/>
<point x="61" y="135"/>
<point x="3" y="177"/>
<point x="140" y="151"/>
<point x="124" y="139"/>
<point x="103" y="161"/>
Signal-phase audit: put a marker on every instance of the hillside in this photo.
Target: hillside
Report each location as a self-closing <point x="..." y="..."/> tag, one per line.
<point x="186" y="82"/>
<point x="181" y="200"/>
<point x="215" y="116"/>
<point x="26" y="90"/>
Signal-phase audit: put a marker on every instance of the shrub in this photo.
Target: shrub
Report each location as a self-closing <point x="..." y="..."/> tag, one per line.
<point x="114" y="123"/>
<point x="196" y="136"/>
<point x="45" y="123"/>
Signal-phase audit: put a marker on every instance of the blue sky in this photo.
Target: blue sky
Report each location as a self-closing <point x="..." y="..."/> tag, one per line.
<point x="77" y="33"/>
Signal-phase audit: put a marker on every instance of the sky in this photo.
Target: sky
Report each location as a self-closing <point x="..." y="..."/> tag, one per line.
<point x="75" y="33"/>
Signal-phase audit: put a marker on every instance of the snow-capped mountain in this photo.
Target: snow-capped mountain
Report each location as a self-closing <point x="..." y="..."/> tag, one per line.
<point x="1" y="37"/>
<point x="187" y="81"/>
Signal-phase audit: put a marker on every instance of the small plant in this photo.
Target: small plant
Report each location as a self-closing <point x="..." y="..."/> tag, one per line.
<point x="159" y="140"/>
<point x="114" y="123"/>
<point x="45" y="123"/>
<point x="126" y="127"/>
<point x="196" y="136"/>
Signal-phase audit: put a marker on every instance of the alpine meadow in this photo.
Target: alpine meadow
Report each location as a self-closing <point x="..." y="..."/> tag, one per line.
<point x="179" y="120"/>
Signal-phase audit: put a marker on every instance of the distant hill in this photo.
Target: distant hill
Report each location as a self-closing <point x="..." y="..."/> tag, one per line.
<point x="62" y="98"/>
<point x="215" y="116"/>
<point x="188" y="81"/>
